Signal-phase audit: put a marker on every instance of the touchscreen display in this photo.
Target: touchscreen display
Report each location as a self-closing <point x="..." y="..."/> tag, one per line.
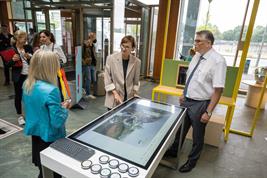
<point x="133" y="132"/>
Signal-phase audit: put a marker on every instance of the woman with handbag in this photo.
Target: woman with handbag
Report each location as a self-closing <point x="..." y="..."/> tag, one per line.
<point x="48" y="43"/>
<point x="20" y="66"/>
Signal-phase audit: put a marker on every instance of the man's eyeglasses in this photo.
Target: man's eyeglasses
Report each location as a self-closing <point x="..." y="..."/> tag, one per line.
<point x="198" y="41"/>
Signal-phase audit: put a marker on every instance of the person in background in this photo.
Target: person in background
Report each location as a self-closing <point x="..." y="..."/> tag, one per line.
<point x="204" y="85"/>
<point x="122" y="73"/>
<point x="48" y="43"/>
<point x="15" y="27"/>
<point x="89" y="64"/>
<point x="45" y="114"/>
<point x="31" y="36"/>
<point x="5" y="43"/>
<point x="20" y="72"/>
<point x="191" y="53"/>
<point x="36" y="42"/>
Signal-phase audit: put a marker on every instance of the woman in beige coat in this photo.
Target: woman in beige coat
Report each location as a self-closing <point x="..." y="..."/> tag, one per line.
<point x="122" y="73"/>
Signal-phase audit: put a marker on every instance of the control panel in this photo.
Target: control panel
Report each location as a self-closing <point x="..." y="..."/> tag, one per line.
<point x="108" y="167"/>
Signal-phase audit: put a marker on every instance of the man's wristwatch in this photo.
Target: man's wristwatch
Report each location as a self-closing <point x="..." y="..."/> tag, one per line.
<point x="208" y="113"/>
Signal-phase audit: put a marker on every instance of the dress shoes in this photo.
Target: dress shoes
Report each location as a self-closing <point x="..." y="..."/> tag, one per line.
<point x="187" y="167"/>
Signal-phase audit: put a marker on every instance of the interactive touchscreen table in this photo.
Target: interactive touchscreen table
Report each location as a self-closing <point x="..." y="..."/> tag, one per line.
<point x="128" y="141"/>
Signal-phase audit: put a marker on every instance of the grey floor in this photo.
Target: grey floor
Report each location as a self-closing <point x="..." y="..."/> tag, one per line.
<point x="239" y="157"/>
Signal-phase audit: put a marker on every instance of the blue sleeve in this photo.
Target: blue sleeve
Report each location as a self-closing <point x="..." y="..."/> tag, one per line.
<point x="57" y="114"/>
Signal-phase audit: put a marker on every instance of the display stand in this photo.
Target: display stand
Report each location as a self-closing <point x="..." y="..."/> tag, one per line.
<point x="76" y="89"/>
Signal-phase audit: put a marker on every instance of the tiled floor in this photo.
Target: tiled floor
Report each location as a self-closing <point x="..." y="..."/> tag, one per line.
<point x="240" y="157"/>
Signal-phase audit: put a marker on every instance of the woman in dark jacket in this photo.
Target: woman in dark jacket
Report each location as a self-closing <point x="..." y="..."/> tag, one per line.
<point x="20" y="66"/>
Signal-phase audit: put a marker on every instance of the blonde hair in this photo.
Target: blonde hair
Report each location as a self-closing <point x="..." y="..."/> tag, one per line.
<point x="44" y="66"/>
<point x="18" y="34"/>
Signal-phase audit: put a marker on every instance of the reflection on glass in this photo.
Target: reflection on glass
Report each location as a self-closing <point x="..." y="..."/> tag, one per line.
<point x="55" y="25"/>
<point x="134" y="131"/>
<point x="133" y="122"/>
<point x="153" y="41"/>
<point x="17" y="10"/>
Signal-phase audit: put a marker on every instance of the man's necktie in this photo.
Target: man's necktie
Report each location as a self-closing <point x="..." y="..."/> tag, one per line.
<point x="191" y="75"/>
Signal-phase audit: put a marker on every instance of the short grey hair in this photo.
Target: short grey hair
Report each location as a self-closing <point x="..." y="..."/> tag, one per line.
<point x="208" y="35"/>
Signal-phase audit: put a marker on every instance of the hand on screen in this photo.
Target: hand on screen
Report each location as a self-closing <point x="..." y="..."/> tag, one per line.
<point x="136" y="95"/>
<point x="117" y="97"/>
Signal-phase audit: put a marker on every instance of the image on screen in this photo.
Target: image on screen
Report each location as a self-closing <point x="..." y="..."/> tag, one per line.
<point x="132" y="132"/>
<point x="135" y="125"/>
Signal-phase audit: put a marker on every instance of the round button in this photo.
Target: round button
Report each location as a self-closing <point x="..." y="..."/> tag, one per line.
<point x="105" y="173"/>
<point x="133" y="172"/>
<point x="96" y="168"/>
<point x="86" y="164"/>
<point x="115" y="175"/>
<point x="103" y="159"/>
<point x="113" y="164"/>
<point x="123" y="168"/>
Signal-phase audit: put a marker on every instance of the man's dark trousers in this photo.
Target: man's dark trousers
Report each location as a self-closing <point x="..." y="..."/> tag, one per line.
<point x="195" y="109"/>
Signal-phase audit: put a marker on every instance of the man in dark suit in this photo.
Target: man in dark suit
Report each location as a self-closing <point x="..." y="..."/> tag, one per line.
<point x="5" y="38"/>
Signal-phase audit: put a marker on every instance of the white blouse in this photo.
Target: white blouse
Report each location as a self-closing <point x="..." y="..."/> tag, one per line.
<point x="57" y="49"/>
<point x="25" y="65"/>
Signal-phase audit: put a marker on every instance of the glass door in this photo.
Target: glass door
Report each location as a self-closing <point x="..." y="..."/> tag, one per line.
<point x="153" y="34"/>
<point x="101" y="26"/>
<point x="40" y="19"/>
<point x="133" y="29"/>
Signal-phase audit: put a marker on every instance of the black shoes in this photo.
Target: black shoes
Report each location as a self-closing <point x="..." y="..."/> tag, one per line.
<point x="187" y="167"/>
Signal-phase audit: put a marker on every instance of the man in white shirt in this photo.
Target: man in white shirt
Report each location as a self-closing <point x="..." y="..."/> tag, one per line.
<point x="204" y="85"/>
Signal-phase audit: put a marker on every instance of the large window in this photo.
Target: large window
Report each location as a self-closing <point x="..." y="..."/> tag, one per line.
<point x="40" y="18"/>
<point x="21" y="19"/>
<point x="258" y="45"/>
<point x="55" y="25"/>
<point x="218" y="17"/>
<point x="17" y="10"/>
<point x="132" y="27"/>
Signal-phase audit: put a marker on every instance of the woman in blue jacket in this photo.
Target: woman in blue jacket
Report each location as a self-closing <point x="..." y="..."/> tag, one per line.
<point x="45" y="114"/>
